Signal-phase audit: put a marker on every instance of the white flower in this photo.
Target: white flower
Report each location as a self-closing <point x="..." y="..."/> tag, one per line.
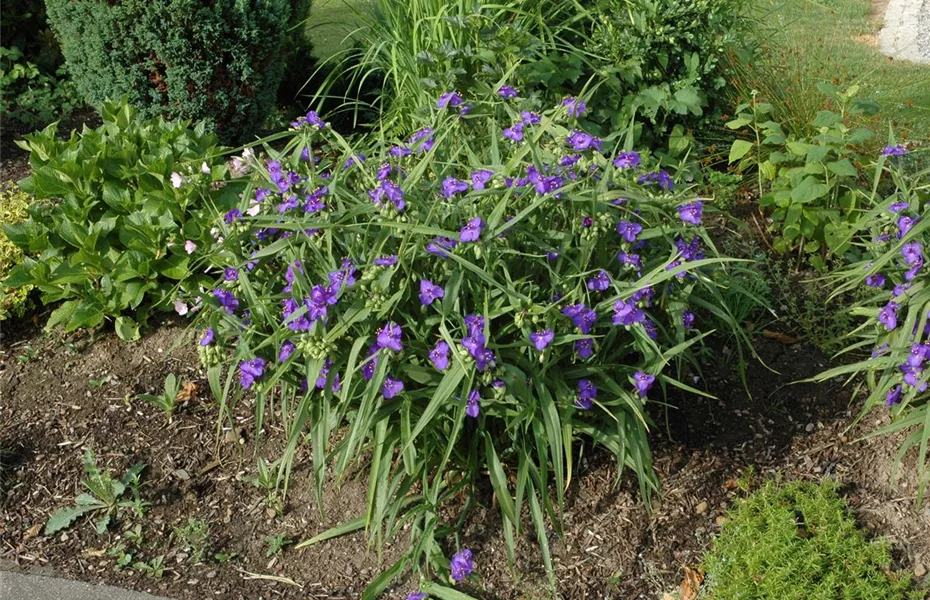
<point x="253" y="210"/>
<point x="176" y="180"/>
<point x="180" y="307"/>
<point x="190" y="246"/>
<point x="204" y="168"/>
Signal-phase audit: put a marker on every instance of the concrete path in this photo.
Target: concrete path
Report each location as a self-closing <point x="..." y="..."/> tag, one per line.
<point x="30" y="586"/>
<point x="906" y="34"/>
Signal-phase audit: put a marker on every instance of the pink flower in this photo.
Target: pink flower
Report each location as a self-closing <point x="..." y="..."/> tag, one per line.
<point x="190" y="247"/>
<point x="180" y="307"/>
<point x="176" y="180"/>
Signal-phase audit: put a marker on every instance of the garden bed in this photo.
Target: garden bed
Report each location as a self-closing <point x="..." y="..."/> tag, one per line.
<point x="62" y="394"/>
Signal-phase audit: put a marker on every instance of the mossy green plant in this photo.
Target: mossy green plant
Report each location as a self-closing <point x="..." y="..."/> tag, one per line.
<point x="799" y="541"/>
<point x="13" y="205"/>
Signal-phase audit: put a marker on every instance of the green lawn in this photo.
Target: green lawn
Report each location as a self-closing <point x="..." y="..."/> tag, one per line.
<point x="329" y="22"/>
<point x="836" y="41"/>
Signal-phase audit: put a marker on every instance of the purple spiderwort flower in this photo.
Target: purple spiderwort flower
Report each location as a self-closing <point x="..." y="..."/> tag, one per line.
<point x="569" y="160"/>
<point x="371" y="362"/>
<point x="888" y="316"/>
<point x="461" y="565"/>
<point x="400" y="151"/>
<point x="541" y="339"/>
<point x="391" y="387"/>
<point x="579" y="140"/>
<point x="632" y="260"/>
<point x="692" y="212"/>
<point x="250" y="370"/>
<point x="389" y="337"/>
<point x="472" y="230"/>
<point x="287" y="348"/>
<point x="898" y="207"/>
<point x="893" y="396"/>
<point x="439" y="356"/>
<point x="230" y="274"/>
<point x="587" y="222"/>
<point x="416" y="596"/>
<point x="575" y="107"/>
<point x="876" y="280"/>
<point x="587" y="392"/>
<point x="386" y="261"/>
<point x="441" y="246"/>
<point x="429" y="292"/>
<point x="507" y="92"/>
<point x="514" y="132"/>
<point x="900" y="289"/>
<point x="208" y="337"/>
<point x="480" y="178"/>
<point x="449" y="99"/>
<point x="660" y="178"/>
<point x="627" y="160"/>
<point x="227" y="300"/>
<point x="897" y="150"/>
<point x="599" y="282"/>
<point x="904" y="225"/>
<point x="582" y="318"/>
<point x="473" y="404"/>
<point x="426" y="136"/>
<point x="358" y="159"/>
<point x="912" y="253"/>
<point x="643" y="382"/>
<point x="452" y="186"/>
<point x="687" y="319"/>
<point x="233" y="215"/>
<point x="550" y="256"/>
<point x="629" y="231"/>
<point x="626" y="313"/>
<point x="584" y="348"/>
<point x="529" y="118"/>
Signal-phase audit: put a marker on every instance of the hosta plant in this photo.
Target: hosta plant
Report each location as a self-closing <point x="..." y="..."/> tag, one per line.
<point x="897" y="315"/>
<point x="130" y="207"/>
<point x="482" y="299"/>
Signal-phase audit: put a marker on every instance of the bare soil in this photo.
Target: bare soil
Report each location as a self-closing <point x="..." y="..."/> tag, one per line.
<point x="63" y="394"/>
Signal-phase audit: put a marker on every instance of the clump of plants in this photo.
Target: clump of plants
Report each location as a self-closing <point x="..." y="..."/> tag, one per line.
<point x="473" y="299"/>
<point x="125" y="212"/>
<point x="798" y="541"/>
<point x="14" y="206"/>
<point x="895" y="235"/>
<point x="220" y="62"/>
<point x="30" y="95"/>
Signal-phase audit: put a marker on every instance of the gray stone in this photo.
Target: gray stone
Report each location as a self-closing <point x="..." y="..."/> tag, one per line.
<point x="906" y="34"/>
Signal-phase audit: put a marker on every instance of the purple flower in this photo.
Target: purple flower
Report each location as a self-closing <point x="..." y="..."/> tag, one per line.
<point x="875" y="280"/>
<point x="461" y="565"/>
<point x="630" y="259"/>
<point x="480" y="178"/>
<point x="643" y="382"/>
<point x="629" y="231"/>
<point x="416" y="596"/>
<point x="426" y="136"/>
<point x="583" y="318"/>
<point x="627" y="160"/>
<point x="584" y="348"/>
<point x="466" y="108"/>
<point x="389" y="337"/>
<point x="893" y="396"/>
<point x="569" y="160"/>
<point x="399" y="151"/>
<point x="287" y="348"/>
<point x="472" y="404"/>
<point x="691" y="212"/>
<point x="227" y="300"/>
<point x="359" y="158"/>
<point x="368" y="367"/>
<point x="208" y="336"/>
<point x="586" y="391"/>
<point x="475" y="324"/>
<point x="429" y="292"/>
<point x="230" y="274"/>
<point x="904" y="225"/>
<point x="383" y="171"/>
<point x="626" y="313"/>
<point x="541" y="339"/>
<point x="452" y="186"/>
<point x="506" y="91"/>
<point x="599" y="282"/>
<point x="529" y="118"/>
<point x="898" y="207"/>
<point x="552" y="256"/>
<point x="687" y="319"/>
<point x="439" y="356"/>
<point x="912" y="253"/>
<point x="391" y="387"/>
<point x="514" y="132"/>
<point x="441" y="246"/>
<point x="250" y="370"/>
<point x="449" y="99"/>
<point x="575" y="107"/>
<point x="898" y="150"/>
<point x="889" y="316"/>
<point x="472" y="230"/>
<point x="579" y="140"/>
<point x="660" y="178"/>
<point x="386" y="261"/>
<point x="900" y="289"/>
<point x="233" y="215"/>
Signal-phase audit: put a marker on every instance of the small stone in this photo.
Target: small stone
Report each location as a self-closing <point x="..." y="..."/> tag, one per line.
<point x="701" y="508"/>
<point x="920" y="571"/>
<point x="720" y="520"/>
<point x="211" y="574"/>
<point x="809" y="427"/>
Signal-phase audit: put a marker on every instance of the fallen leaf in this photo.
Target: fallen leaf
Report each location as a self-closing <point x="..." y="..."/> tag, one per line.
<point x="91" y="553"/>
<point x="780" y="337"/>
<point x="731" y="484"/>
<point x="691" y="584"/>
<point x="33" y="531"/>
<point x="188" y="391"/>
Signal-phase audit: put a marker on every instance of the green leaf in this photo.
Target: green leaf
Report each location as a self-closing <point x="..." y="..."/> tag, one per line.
<point x="843" y="168"/>
<point x="64" y="517"/>
<point x="127" y="329"/>
<point x="739" y="149"/>
<point x="334" y="532"/>
<point x="173" y="267"/>
<point x="444" y="593"/>
<point x="809" y="190"/>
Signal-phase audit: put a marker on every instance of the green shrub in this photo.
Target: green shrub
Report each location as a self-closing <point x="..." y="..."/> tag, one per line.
<point x="134" y="201"/>
<point x="445" y="307"/>
<point x="13" y="209"/>
<point x="895" y="233"/>
<point x="29" y="95"/>
<point x="811" y="186"/>
<point x="798" y="541"/>
<point x="181" y="59"/>
<point x="23" y="25"/>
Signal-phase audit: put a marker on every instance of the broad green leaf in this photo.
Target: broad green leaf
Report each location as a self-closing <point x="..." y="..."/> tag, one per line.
<point x="739" y="149"/>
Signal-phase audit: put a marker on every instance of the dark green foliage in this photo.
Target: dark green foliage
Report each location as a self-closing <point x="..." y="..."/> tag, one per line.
<point x="23" y="25"/>
<point x="29" y="95"/>
<point x="182" y="59"/>
<point x="114" y="244"/>
<point x="799" y="542"/>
